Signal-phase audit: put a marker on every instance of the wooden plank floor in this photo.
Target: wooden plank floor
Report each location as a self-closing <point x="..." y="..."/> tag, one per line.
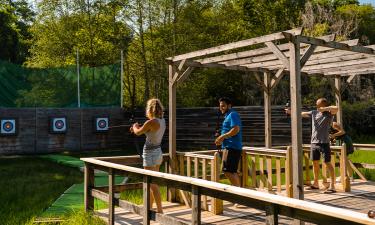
<point x="361" y="199"/>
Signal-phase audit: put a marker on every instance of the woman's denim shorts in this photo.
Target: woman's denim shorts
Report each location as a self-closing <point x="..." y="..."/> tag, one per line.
<point x="152" y="157"/>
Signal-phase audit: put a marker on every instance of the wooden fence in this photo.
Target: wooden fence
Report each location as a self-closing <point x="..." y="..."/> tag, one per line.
<point x="195" y="129"/>
<point x="34" y="136"/>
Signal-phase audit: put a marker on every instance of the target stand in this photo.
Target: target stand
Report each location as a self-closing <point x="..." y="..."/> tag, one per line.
<point x="101" y="124"/>
<point x="9" y="127"/>
<point x="58" y="125"/>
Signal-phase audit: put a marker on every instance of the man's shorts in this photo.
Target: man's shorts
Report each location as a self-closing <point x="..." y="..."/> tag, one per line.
<point x="152" y="157"/>
<point x="320" y="148"/>
<point x="231" y="158"/>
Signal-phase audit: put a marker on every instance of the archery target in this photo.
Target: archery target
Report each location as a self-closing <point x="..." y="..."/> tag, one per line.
<point x="58" y="125"/>
<point x="8" y="127"/>
<point x="101" y="124"/>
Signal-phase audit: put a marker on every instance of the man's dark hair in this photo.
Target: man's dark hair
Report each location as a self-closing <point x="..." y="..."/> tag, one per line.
<point x="226" y="100"/>
<point x="324" y="102"/>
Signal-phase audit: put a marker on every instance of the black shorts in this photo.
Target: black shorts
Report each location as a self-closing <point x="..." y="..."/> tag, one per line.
<point x="320" y="148"/>
<point x="230" y="163"/>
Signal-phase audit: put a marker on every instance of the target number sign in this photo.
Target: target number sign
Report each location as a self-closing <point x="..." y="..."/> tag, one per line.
<point x="101" y="124"/>
<point x="8" y="127"/>
<point x="58" y="125"/>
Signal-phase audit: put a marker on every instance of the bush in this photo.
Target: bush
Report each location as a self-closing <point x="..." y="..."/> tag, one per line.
<point x="359" y="119"/>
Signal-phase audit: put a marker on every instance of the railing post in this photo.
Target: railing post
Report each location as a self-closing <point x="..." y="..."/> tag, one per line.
<point x="146" y="200"/>
<point x="271" y="214"/>
<point x="111" y="195"/>
<point x="307" y="168"/>
<point x="196" y="206"/>
<point x="345" y="180"/>
<point x="217" y="206"/>
<point x="245" y="169"/>
<point x="288" y="173"/>
<point x="89" y="184"/>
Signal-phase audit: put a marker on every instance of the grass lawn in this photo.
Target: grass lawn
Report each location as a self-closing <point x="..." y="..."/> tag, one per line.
<point x="364" y="157"/>
<point x="28" y="185"/>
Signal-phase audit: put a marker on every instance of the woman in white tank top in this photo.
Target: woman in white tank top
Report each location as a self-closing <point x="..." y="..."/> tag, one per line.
<point x="154" y="129"/>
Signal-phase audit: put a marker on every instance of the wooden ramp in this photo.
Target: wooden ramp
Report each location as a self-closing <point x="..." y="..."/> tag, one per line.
<point x="361" y="199"/>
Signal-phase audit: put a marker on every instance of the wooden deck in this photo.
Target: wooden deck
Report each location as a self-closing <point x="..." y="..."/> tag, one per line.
<point x="361" y="199"/>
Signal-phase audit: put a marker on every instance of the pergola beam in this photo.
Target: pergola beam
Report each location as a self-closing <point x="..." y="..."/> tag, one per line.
<point x="343" y="69"/>
<point x="353" y="72"/>
<point x="279" y="54"/>
<point x="192" y="63"/>
<point x="236" y="45"/>
<point x="270" y="60"/>
<point x="335" y="45"/>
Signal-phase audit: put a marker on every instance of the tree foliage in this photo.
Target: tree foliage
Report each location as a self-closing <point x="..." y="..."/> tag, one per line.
<point x="149" y="31"/>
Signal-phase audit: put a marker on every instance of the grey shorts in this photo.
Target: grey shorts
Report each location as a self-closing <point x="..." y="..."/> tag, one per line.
<point x="152" y="157"/>
<point x="320" y="149"/>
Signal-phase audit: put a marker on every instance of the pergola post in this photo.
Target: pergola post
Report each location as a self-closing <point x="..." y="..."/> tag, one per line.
<point x="267" y="110"/>
<point x="172" y="129"/>
<point x="295" y="97"/>
<point x="338" y="99"/>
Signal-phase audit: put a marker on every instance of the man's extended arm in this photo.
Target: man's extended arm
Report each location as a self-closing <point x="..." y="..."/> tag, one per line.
<point x="332" y="109"/>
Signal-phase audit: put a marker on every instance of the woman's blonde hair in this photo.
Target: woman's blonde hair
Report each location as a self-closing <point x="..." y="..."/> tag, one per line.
<point x="154" y="108"/>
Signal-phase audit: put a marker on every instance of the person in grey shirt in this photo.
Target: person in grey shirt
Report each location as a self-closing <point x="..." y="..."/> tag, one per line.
<point x="321" y="120"/>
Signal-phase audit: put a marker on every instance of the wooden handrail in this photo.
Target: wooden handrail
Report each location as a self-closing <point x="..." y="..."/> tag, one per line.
<point x="365" y="147"/>
<point x="298" y="209"/>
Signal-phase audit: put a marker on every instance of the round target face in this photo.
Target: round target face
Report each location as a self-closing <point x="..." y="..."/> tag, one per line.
<point x="59" y="124"/>
<point x="8" y="126"/>
<point x="102" y="124"/>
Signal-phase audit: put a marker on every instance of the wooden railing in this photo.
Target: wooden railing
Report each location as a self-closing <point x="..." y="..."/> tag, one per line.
<point x="365" y="147"/>
<point x="261" y="169"/>
<point x="273" y="205"/>
<point x="206" y="167"/>
<point x="271" y="169"/>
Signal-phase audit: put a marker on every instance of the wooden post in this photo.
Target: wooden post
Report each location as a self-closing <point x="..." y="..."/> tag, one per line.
<point x="204" y="177"/>
<point x="172" y="130"/>
<point x="269" y="173"/>
<point x="261" y="172"/>
<point x="267" y="110"/>
<point x="338" y="100"/>
<point x="217" y="206"/>
<point x="196" y="206"/>
<point x="146" y="200"/>
<point x="253" y="172"/>
<point x="278" y="174"/>
<point x="111" y="195"/>
<point x="345" y="180"/>
<point x="288" y="172"/>
<point x="271" y="215"/>
<point x="89" y="184"/>
<point x="307" y="168"/>
<point x="295" y="96"/>
<point x="245" y="169"/>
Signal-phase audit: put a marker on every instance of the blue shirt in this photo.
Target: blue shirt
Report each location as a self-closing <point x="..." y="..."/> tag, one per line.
<point x="231" y="120"/>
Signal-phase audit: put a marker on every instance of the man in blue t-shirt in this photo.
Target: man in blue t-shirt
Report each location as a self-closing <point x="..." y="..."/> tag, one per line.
<point x="230" y="140"/>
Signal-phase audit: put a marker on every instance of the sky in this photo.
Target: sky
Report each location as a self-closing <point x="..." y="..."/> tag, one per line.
<point x="367" y="1"/>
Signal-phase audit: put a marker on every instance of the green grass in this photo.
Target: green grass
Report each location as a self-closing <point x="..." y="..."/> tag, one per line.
<point x="29" y="185"/>
<point x="364" y="157"/>
<point x="76" y="218"/>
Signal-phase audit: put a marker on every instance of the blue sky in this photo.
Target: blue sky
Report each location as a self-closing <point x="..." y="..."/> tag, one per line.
<point x="367" y="1"/>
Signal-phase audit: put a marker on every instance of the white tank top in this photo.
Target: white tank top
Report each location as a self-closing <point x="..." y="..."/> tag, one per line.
<point x="154" y="138"/>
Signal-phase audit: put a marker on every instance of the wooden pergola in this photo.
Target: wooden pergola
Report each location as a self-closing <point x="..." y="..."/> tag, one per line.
<point x="296" y="56"/>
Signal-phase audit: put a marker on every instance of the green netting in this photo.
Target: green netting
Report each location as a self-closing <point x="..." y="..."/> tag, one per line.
<point x="57" y="87"/>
